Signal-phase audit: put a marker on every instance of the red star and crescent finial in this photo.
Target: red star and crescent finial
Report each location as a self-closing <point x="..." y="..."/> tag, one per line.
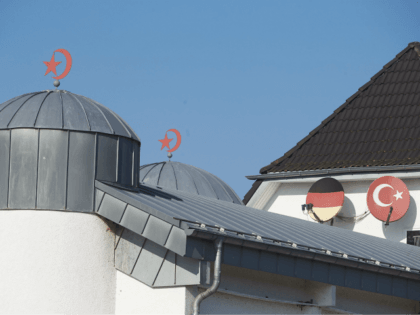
<point x="166" y="140"/>
<point x="52" y="64"/>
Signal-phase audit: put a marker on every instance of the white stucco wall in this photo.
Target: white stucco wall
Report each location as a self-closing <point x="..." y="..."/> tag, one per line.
<point x="289" y="197"/>
<point x="134" y="297"/>
<point x="56" y="262"/>
<point x="244" y="291"/>
<point x="222" y="303"/>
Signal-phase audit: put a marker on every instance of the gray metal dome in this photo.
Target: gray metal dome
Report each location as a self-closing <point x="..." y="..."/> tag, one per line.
<point x="59" y="109"/>
<point x="187" y="178"/>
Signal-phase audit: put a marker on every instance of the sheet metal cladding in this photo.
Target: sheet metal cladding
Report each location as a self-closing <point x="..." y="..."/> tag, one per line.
<point x="327" y="197"/>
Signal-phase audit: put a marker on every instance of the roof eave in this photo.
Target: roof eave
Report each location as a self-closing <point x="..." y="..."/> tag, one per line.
<point x="336" y="171"/>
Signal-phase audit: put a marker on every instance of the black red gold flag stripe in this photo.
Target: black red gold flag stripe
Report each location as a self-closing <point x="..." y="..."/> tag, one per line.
<point x="327" y="197"/>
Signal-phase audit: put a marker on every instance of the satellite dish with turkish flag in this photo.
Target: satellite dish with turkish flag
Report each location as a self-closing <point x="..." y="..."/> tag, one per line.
<point x="386" y="192"/>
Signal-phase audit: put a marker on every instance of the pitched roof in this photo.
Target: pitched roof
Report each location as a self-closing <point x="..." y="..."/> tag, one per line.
<point x="379" y="125"/>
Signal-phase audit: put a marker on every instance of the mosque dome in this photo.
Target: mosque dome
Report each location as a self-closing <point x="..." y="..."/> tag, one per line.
<point x="59" y="109"/>
<point x="187" y="178"/>
<point x="54" y="147"/>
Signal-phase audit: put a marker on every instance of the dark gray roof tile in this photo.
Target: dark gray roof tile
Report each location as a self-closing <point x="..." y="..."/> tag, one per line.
<point x="374" y="115"/>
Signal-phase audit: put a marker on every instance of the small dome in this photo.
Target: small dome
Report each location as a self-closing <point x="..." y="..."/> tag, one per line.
<point x="59" y="109"/>
<point x="187" y="178"/>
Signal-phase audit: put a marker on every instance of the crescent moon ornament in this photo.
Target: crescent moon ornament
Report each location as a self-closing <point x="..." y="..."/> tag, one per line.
<point x="52" y="64"/>
<point x="178" y="140"/>
<point x="376" y="195"/>
<point x="166" y="140"/>
<point x="68" y="63"/>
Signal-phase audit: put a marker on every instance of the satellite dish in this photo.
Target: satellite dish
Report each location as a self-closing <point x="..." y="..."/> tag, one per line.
<point x="327" y="198"/>
<point x="385" y="193"/>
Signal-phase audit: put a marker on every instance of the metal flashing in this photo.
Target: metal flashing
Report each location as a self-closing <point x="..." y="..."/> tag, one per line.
<point x="337" y="171"/>
<point x="155" y="265"/>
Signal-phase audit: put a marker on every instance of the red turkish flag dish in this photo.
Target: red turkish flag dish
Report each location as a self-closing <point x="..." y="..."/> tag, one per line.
<point x="327" y="197"/>
<point x="386" y="192"/>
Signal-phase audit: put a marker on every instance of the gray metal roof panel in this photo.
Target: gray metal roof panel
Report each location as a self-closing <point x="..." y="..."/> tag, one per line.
<point x="27" y="114"/>
<point x="245" y="220"/>
<point x="59" y="109"/>
<point x="74" y="115"/>
<point x="96" y="118"/>
<point x="187" y="178"/>
<point x="184" y="180"/>
<point x="9" y="111"/>
<point x="167" y="177"/>
<point x="202" y="184"/>
<point x="51" y="112"/>
<point x="113" y="120"/>
<point x="152" y="176"/>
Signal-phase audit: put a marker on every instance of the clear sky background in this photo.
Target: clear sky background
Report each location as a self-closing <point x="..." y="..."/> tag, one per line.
<point x="243" y="81"/>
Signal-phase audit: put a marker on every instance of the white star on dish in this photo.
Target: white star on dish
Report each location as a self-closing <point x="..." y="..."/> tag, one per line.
<point x="398" y="195"/>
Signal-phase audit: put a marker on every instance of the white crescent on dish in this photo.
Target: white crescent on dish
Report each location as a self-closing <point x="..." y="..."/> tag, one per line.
<point x="376" y="195"/>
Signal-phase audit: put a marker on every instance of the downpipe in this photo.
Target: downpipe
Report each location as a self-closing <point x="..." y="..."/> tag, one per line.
<point x="216" y="281"/>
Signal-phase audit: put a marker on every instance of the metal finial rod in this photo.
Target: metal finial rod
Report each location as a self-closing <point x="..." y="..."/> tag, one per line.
<point x="169" y="155"/>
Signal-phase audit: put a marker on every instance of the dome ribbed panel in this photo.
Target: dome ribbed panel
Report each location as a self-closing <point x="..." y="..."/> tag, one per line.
<point x="153" y="176"/>
<point x="9" y="111"/>
<point x="184" y="179"/>
<point x="27" y="114"/>
<point x="187" y="178"/>
<point x="51" y="113"/>
<point x="229" y="190"/>
<point x="203" y="186"/>
<point x="58" y="109"/>
<point x="167" y="177"/>
<point x="217" y="187"/>
<point x="3" y="105"/>
<point x="74" y="115"/>
<point x="96" y="119"/>
<point x="145" y="170"/>
<point x="118" y="127"/>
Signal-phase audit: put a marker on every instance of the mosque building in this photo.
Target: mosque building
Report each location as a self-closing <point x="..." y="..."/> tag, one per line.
<point x="374" y="134"/>
<point x="85" y="229"/>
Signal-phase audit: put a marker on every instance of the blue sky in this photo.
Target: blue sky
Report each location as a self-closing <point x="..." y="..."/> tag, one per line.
<point x="243" y="81"/>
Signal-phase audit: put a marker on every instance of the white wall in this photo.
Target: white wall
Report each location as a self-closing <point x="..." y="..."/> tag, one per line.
<point x="134" y="297"/>
<point x="244" y="291"/>
<point x="56" y="262"/>
<point x="289" y="197"/>
<point x="222" y="303"/>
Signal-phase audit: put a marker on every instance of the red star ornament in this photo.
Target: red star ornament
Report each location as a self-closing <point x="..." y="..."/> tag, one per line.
<point x="51" y="65"/>
<point x="165" y="142"/>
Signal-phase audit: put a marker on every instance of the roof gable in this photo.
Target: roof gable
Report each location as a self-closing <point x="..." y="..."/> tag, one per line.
<point x="378" y="125"/>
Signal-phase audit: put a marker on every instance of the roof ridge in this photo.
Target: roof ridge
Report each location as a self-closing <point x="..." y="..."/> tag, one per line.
<point x="415" y="45"/>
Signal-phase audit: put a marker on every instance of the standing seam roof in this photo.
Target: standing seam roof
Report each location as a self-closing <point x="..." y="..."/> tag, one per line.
<point x="252" y="224"/>
<point x="183" y="177"/>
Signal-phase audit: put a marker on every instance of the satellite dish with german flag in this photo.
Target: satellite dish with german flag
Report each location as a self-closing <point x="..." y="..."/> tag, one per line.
<point x="327" y="198"/>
